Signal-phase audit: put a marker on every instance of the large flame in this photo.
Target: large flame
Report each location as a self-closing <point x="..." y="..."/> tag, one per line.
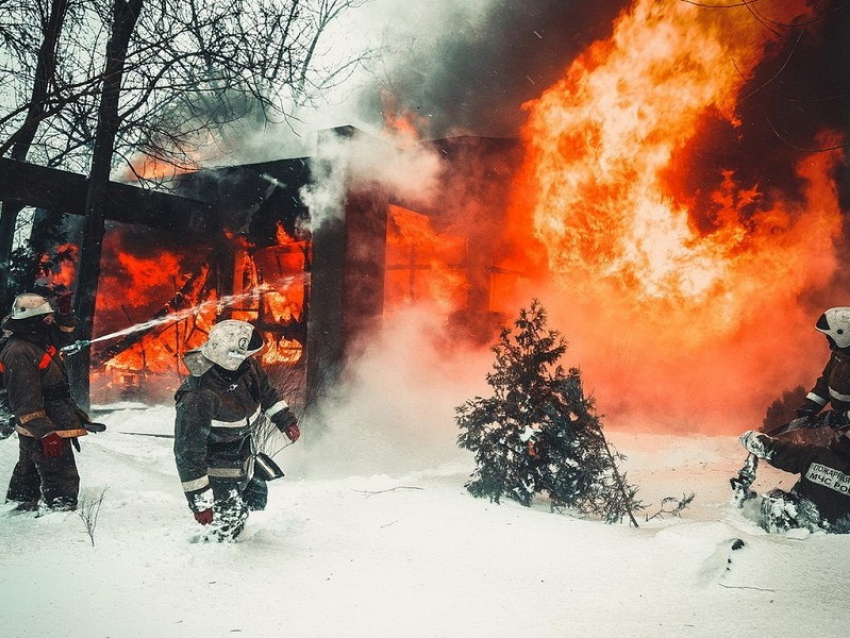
<point x="678" y="315"/>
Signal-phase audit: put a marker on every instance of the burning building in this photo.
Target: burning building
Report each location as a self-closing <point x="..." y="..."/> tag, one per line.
<point x="315" y="286"/>
<point x="664" y="197"/>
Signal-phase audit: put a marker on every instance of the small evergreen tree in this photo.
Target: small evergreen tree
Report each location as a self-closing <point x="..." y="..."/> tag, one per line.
<point x="538" y="433"/>
<point x="783" y="409"/>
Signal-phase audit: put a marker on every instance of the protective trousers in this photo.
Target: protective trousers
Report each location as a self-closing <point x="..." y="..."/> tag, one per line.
<point x="229" y="510"/>
<point x="35" y="476"/>
<point x="782" y="511"/>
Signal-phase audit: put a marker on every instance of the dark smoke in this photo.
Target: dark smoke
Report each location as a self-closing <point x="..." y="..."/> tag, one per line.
<point x="801" y="89"/>
<point x="474" y="80"/>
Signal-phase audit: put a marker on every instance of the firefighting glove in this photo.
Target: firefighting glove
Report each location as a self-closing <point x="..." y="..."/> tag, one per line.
<point x="52" y="445"/>
<point x="808" y="409"/>
<point x="287" y="423"/>
<point x="758" y="444"/>
<point x="292" y="432"/>
<point x="201" y="504"/>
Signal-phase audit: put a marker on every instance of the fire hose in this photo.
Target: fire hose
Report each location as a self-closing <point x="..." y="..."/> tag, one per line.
<point x="741" y="491"/>
<point x="75" y="347"/>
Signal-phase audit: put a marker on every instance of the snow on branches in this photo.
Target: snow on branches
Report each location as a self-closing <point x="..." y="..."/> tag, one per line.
<point x="538" y="433"/>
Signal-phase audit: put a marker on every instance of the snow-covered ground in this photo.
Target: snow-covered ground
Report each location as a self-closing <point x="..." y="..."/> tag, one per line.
<point x="408" y="552"/>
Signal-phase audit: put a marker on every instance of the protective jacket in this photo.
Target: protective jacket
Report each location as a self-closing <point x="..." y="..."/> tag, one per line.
<point x="832" y="386"/>
<point x="217" y="413"/>
<point x="824" y="475"/>
<point x="36" y="381"/>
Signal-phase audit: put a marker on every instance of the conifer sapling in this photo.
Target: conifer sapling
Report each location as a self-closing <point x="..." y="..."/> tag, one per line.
<point x="538" y="433"/>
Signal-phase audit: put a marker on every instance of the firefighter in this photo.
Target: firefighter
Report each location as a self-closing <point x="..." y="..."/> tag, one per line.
<point x="46" y="418"/>
<point x="820" y="500"/>
<point x="220" y="408"/>
<point x="832" y="388"/>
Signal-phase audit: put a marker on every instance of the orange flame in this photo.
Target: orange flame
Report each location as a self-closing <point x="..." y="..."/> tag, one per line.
<point x="673" y="322"/>
<point x="151" y="168"/>
<point x="176" y="158"/>
<point x="58" y="269"/>
<point x="144" y="273"/>
<point x="423" y="266"/>
<point x="404" y="126"/>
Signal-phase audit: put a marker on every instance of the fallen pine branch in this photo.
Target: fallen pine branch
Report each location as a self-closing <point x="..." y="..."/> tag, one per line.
<point x="391" y="489"/>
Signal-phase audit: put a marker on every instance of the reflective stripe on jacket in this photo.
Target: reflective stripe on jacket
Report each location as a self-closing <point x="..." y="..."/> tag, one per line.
<point x="833" y="385"/>
<point x="37" y="389"/>
<point x="217" y="413"/>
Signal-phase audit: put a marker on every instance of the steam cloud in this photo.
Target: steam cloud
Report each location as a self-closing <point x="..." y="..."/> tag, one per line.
<point x="341" y="162"/>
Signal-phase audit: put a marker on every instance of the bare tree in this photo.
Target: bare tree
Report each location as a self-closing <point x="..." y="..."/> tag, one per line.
<point x="191" y="67"/>
<point x="165" y="78"/>
<point x="19" y="41"/>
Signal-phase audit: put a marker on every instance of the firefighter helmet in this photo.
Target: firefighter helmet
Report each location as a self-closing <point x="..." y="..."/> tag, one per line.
<point x="230" y="342"/>
<point x="29" y="305"/>
<point x="835" y="324"/>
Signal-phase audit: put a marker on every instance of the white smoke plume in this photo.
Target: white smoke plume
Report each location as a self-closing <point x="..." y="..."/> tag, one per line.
<point x="342" y="162"/>
<point x="395" y="410"/>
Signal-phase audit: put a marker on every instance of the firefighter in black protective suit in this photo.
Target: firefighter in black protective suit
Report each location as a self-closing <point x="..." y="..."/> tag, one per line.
<point x="820" y="500"/>
<point x="832" y="387"/>
<point x="46" y="418"/>
<point x="219" y="409"/>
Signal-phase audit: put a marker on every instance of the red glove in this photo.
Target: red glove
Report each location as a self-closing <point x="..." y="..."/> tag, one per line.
<point x="287" y="423"/>
<point x="292" y="432"/>
<point x="205" y="517"/>
<point x="52" y="445"/>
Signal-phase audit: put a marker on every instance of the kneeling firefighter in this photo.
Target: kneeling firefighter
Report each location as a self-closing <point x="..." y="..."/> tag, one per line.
<point x="220" y="410"/>
<point x="820" y="500"/>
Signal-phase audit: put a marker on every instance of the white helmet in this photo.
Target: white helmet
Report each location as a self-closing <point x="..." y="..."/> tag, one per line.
<point x="835" y="324"/>
<point x="230" y="342"/>
<point x="29" y="305"/>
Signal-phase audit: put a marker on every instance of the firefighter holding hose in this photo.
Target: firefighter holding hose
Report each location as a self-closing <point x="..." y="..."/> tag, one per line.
<point x="47" y="420"/>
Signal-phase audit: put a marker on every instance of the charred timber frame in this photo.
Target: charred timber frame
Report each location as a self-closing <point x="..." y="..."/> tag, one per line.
<point x="347" y="280"/>
<point x="66" y="192"/>
<point x="63" y="191"/>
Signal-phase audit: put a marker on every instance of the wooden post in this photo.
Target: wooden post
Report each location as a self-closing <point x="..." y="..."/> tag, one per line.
<point x="347" y="278"/>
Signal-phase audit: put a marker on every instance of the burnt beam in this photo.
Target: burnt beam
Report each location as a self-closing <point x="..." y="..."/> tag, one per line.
<point x="63" y="191"/>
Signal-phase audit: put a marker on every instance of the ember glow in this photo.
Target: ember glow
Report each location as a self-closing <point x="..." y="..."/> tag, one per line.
<point x="677" y="314"/>
<point x="58" y="269"/>
<point x="154" y="169"/>
<point x="175" y="159"/>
